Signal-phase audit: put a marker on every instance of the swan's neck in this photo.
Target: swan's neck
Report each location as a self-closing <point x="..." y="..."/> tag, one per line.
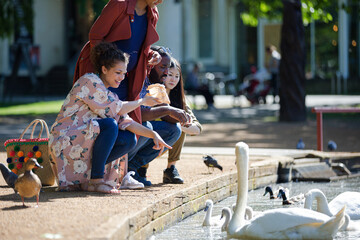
<point x="208" y="214"/>
<point x="242" y="160"/>
<point x="227" y="215"/>
<point x="321" y="202"/>
<point x="248" y="213"/>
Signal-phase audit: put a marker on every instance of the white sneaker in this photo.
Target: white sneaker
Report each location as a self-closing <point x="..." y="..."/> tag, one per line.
<point x="129" y="182"/>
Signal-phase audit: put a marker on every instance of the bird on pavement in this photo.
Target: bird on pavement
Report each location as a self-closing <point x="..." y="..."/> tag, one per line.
<point x="211" y="162"/>
<point x="300" y="144"/>
<point x="28" y="184"/>
<point x="8" y="175"/>
<point x="332" y="145"/>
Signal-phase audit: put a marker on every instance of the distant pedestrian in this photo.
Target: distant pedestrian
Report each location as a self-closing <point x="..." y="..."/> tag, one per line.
<point x="193" y="84"/>
<point x="273" y="67"/>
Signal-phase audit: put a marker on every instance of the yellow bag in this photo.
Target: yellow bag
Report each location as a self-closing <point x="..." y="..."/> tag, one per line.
<point x="20" y="150"/>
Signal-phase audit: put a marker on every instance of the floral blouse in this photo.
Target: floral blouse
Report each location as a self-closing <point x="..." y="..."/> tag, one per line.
<point x="75" y="129"/>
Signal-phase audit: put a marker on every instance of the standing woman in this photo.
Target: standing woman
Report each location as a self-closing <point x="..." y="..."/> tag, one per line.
<point x="174" y="85"/>
<point x="92" y="128"/>
<point x="131" y="25"/>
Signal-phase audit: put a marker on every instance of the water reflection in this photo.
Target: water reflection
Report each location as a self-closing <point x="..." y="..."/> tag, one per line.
<point x="190" y="228"/>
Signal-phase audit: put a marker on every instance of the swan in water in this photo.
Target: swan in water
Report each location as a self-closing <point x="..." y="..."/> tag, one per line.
<point x="210" y="220"/>
<point x="225" y="213"/>
<point x="283" y="223"/>
<point x="292" y="200"/>
<point x="249" y="212"/>
<point x="274" y="195"/>
<point x="350" y="199"/>
<point x="346" y="198"/>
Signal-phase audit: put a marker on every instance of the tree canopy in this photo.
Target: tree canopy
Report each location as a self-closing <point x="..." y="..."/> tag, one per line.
<point x="272" y="9"/>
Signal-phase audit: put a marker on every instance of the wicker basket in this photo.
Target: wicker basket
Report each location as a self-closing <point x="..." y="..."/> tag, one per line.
<point x="20" y="150"/>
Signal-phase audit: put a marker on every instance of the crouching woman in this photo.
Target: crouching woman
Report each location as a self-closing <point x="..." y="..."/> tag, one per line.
<point x="92" y="128"/>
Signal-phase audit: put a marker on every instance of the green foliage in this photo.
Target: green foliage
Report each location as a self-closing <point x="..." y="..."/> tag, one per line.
<point x="9" y="16"/>
<point x="272" y="9"/>
<point x="37" y="108"/>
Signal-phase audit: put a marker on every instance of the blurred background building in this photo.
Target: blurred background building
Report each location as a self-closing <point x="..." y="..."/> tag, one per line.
<point x="209" y="32"/>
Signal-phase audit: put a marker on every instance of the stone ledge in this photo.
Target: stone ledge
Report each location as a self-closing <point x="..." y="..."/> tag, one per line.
<point x="174" y="208"/>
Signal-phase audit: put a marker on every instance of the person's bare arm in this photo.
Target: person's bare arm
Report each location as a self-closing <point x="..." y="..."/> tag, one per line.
<point x="150" y="114"/>
<point x="129" y="106"/>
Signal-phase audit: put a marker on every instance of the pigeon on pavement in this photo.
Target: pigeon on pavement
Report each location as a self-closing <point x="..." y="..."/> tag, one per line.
<point x="211" y="162"/>
<point x="300" y="144"/>
<point x="332" y="145"/>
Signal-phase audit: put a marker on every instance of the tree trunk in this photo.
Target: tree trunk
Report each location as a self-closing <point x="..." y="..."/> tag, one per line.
<point x="292" y="65"/>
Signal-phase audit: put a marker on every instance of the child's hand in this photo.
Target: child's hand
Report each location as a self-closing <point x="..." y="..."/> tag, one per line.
<point x="160" y="144"/>
<point x="150" y="101"/>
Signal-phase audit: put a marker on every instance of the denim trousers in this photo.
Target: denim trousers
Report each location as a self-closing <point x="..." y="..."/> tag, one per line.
<point x="144" y="153"/>
<point x="110" y="144"/>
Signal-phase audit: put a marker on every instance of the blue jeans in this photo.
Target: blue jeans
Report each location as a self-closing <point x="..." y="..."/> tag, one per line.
<point x="109" y="145"/>
<point x="144" y="153"/>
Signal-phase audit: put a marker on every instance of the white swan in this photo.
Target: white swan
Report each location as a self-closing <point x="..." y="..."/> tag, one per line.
<point x="331" y="208"/>
<point x="284" y="223"/>
<point x="209" y="220"/>
<point x="350" y="199"/>
<point x="225" y="213"/>
<point x="249" y="212"/>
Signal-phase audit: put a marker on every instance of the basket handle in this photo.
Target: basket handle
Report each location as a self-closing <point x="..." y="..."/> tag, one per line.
<point x="34" y="123"/>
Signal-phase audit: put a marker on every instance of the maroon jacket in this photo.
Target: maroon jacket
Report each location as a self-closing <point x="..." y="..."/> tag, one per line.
<point x="112" y="25"/>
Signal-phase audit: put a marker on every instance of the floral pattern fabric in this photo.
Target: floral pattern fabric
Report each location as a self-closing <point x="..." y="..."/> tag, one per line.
<point x="75" y="129"/>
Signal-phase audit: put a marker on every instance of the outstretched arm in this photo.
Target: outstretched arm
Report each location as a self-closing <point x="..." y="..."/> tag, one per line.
<point x="179" y="115"/>
<point x="139" y="129"/>
<point x="128" y="106"/>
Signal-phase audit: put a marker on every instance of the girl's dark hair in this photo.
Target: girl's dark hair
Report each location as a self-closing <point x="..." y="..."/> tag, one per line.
<point x="177" y="95"/>
<point x="107" y="54"/>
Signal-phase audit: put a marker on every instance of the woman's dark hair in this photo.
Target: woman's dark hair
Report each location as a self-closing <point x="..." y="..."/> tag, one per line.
<point x="107" y="54"/>
<point x="177" y="95"/>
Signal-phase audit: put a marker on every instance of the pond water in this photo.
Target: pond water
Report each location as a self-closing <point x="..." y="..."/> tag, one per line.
<point x="191" y="227"/>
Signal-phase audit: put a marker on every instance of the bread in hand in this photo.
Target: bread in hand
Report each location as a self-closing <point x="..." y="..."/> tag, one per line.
<point x="158" y="90"/>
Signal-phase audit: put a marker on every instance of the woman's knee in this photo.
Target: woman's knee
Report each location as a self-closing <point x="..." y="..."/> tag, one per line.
<point x="108" y="124"/>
